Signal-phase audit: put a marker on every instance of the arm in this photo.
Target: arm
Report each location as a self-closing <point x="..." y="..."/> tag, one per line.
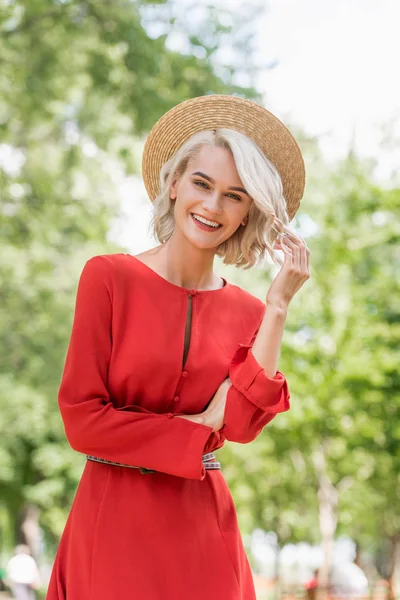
<point x="267" y="343"/>
<point x="92" y="424"/>
<point x="254" y="398"/>
<point x="258" y="391"/>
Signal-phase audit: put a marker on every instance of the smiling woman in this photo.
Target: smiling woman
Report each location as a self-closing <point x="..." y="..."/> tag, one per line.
<point x="167" y="361"/>
<point x="208" y="202"/>
<point x="205" y="186"/>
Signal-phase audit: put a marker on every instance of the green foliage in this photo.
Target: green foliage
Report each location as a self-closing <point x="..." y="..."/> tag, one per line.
<point x="80" y="80"/>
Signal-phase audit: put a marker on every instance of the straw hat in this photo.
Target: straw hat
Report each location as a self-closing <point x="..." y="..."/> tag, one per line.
<point x="231" y="112"/>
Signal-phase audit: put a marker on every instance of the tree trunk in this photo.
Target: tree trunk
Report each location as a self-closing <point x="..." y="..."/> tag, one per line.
<point x="29" y="531"/>
<point x="394" y="565"/>
<point x="328" y="501"/>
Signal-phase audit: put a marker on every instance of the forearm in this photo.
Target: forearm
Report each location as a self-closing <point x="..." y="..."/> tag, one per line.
<point x="134" y="436"/>
<point x="267" y="345"/>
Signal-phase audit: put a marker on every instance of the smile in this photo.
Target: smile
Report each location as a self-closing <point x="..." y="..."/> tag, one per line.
<point x="206" y="222"/>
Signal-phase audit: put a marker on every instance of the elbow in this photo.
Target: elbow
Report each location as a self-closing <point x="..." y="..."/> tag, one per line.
<point x="80" y="424"/>
<point x="76" y="437"/>
<point x="240" y="435"/>
<point x="244" y="434"/>
<point x="241" y="439"/>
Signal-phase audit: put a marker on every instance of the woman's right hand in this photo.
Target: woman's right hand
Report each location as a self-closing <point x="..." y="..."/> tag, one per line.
<point x="214" y="414"/>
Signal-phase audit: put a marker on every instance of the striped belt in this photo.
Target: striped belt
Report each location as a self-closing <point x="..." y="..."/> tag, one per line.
<point x="209" y="462"/>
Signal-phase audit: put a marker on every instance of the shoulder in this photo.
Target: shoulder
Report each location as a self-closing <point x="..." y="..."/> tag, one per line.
<point x="107" y="265"/>
<point x="104" y="270"/>
<point x="107" y="261"/>
<point x="247" y="302"/>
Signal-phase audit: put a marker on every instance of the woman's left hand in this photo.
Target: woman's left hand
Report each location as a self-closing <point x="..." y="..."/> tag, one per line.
<point x="294" y="272"/>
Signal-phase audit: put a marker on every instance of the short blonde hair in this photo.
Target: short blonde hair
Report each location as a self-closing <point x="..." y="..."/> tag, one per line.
<point x="267" y="216"/>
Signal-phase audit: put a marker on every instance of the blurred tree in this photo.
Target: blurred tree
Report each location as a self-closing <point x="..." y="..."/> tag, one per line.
<point x="79" y="82"/>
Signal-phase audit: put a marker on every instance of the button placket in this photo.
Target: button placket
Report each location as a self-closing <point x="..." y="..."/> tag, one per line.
<point x="177" y="395"/>
<point x="184" y="373"/>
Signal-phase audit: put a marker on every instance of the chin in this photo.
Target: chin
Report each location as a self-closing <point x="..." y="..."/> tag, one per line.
<point x="202" y="244"/>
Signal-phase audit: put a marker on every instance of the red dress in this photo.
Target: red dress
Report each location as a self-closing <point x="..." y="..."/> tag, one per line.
<point x="173" y="534"/>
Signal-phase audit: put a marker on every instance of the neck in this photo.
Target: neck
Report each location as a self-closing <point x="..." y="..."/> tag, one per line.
<point x="188" y="266"/>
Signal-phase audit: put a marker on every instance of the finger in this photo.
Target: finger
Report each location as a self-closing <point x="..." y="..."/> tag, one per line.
<point x="285" y="248"/>
<point x="289" y="243"/>
<point x="301" y="252"/>
<point x="305" y="254"/>
<point x="295" y="238"/>
<point x="304" y="258"/>
<point x="301" y="257"/>
<point x="289" y="251"/>
<point x="296" y="254"/>
<point x="301" y="260"/>
<point x="304" y="243"/>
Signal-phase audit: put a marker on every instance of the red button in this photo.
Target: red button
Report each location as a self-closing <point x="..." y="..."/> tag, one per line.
<point x="185" y="373"/>
<point x="176" y="399"/>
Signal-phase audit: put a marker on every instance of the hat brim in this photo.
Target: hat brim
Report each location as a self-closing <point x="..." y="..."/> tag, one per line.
<point x="222" y="111"/>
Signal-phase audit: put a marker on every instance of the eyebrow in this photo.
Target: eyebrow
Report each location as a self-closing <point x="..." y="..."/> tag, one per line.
<point x="211" y="180"/>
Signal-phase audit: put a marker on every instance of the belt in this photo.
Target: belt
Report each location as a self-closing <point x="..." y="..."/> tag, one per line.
<point x="209" y="461"/>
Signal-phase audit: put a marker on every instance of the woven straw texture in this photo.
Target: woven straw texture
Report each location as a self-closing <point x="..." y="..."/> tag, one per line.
<point x="231" y="112"/>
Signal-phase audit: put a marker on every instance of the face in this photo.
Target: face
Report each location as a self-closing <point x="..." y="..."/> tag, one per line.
<point x="211" y="190"/>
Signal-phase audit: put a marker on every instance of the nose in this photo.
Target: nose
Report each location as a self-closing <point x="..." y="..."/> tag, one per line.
<point x="212" y="204"/>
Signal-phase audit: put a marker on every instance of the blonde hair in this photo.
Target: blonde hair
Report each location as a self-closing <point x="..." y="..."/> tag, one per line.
<point x="267" y="216"/>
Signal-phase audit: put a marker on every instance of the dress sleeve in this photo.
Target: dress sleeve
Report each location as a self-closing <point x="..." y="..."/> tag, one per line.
<point x="254" y="398"/>
<point x="93" y="425"/>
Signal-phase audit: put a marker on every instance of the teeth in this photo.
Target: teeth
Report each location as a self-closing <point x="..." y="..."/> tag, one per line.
<point x="210" y="223"/>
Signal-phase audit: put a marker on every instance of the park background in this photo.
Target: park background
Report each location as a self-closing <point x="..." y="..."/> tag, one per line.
<point x="81" y="84"/>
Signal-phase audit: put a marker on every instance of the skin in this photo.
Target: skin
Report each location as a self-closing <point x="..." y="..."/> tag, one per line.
<point x="187" y="258"/>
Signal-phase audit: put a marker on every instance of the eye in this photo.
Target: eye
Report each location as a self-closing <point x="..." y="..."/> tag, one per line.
<point x="201" y="184"/>
<point x="235" y="197"/>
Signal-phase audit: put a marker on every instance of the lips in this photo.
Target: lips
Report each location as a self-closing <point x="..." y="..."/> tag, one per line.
<point x="202" y="225"/>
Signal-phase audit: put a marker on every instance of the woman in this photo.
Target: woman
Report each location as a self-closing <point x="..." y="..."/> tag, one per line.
<point x="167" y="361"/>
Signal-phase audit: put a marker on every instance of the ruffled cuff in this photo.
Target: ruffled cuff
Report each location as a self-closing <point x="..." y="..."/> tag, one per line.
<point x="249" y="378"/>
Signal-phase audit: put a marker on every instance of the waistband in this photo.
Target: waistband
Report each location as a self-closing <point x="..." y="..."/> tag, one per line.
<point x="209" y="461"/>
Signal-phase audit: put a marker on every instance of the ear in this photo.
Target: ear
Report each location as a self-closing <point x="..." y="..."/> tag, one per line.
<point x="245" y="221"/>
<point x="172" y="191"/>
